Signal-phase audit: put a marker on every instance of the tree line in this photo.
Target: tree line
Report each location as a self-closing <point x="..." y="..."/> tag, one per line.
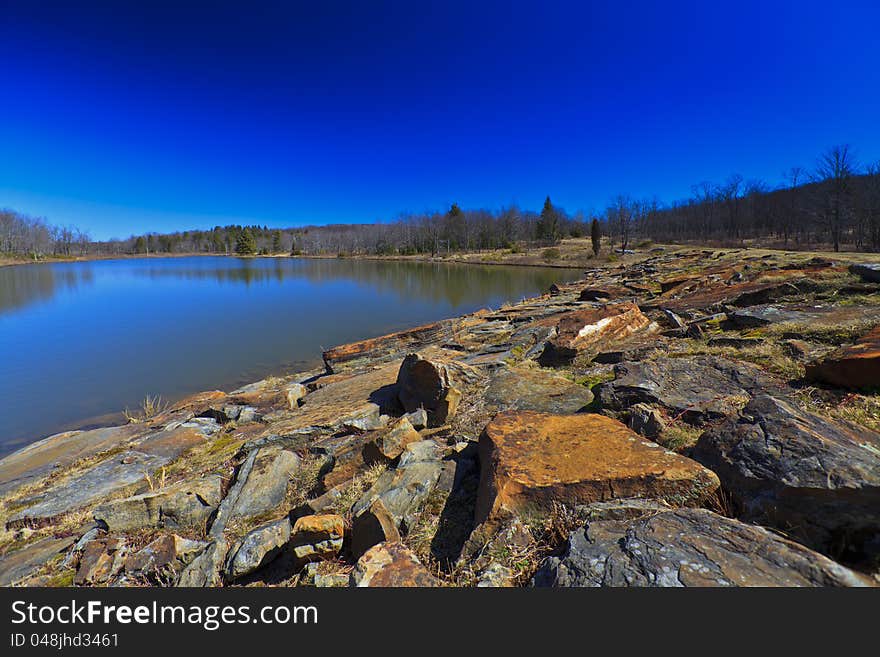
<point x="835" y="204"/>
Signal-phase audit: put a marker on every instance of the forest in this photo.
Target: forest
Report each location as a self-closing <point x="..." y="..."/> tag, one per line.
<point x="835" y="205"/>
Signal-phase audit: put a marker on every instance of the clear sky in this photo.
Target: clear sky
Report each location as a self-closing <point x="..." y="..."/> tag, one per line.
<point x="125" y="117"/>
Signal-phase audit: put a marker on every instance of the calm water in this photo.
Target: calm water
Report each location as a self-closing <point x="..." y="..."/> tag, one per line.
<point x="82" y="341"/>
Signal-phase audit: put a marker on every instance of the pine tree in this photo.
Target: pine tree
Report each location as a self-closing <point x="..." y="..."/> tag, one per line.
<point x="596" y="235"/>
<point x="276" y="242"/>
<point x="548" y="225"/>
<point x="246" y="244"/>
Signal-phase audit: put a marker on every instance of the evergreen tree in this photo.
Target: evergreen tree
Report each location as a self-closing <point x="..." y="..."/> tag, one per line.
<point x="246" y="244"/>
<point x="140" y="245"/>
<point x="595" y="235"/>
<point x="276" y="242"/>
<point x="548" y="224"/>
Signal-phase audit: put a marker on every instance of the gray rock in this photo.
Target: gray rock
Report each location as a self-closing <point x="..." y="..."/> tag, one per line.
<point x="418" y="418"/>
<point x="697" y="389"/>
<point x="205" y="569"/>
<point x="815" y="478"/>
<point x="535" y="389"/>
<point x="265" y="485"/>
<point x="164" y="556"/>
<point x="21" y="563"/>
<point x="646" y="420"/>
<point x="186" y="504"/>
<point x="257" y="548"/>
<point x="687" y="547"/>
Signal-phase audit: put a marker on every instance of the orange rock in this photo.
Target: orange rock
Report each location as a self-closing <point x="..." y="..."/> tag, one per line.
<point x="391" y="565"/>
<point x="855" y="366"/>
<point x="388" y="345"/>
<point x="317" y="537"/>
<point x="532" y="460"/>
<point x="592" y="329"/>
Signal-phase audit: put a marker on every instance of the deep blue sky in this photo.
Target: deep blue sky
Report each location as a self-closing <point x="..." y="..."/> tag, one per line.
<point x="124" y="119"/>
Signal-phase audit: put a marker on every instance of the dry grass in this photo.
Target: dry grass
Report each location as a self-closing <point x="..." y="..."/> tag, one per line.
<point x="354" y="490"/>
<point x="679" y="436"/>
<point x="861" y="409"/>
<point x="769" y="355"/>
<point x="836" y="334"/>
<point x="150" y="408"/>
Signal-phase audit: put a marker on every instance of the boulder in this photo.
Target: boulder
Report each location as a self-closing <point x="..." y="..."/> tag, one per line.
<point x="853" y="366"/>
<point x="391" y="565"/>
<point x="168" y="553"/>
<point x="317" y="537"/>
<point x="266" y="484"/>
<point x="426" y="384"/>
<point x="535" y="389"/>
<point x="531" y="461"/>
<point x="185" y="504"/>
<point x="687" y="547"/>
<point x="604" y="293"/>
<point x="592" y="330"/>
<point x="295" y="392"/>
<point x="257" y="548"/>
<point x="815" y="478"/>
<point x="645" y="420"/>
<point x="391" y="443"/>
<point x="695" y="389"/>
<point x="401" y="492"/>
<point x="100" y="560"/>
<point x="205" y="569"/>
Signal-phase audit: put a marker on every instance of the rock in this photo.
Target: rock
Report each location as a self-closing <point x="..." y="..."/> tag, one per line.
<point x="266" y="484"/>
<point x="391" y="565"/>
<point x="185" y="504"/>
<point x="531" y="461"/>
<point x="593" y="329"/>
<point x="627" y="508"/>
<point x="688" y="547"/>
<point x="533" y="389"/>
<point x="388" y="346"/>
<point x="372" y="526"/>
<point x="317" y="537"/>
<point x="168" y="554"/>
<point x="391" y="443"/>
<point x="100" y="560"/>
<point x="343" y="399"/>
<point x="804" y="351"/>
<point x="646" y="420"/>
<point x="605" y="293"/>
<point x="295" y="393"/>
<point x="853" y="366"/>
<point x="758" y="316"/>
<point x="205" y="569"/>
<point x="496" y="576"/>
<point x="697" y="389"/>
<point x="23" y="562"/>
<point x="422" y="383"/>
<point x="418" y="419"/>
<point x="99" y="481"/>
<point x="815" y="478"/>
<point x="40" y="458"/>
<point x="870" y="273"/>
<point x="401" y="491"/>
<point x="257" y="548"/>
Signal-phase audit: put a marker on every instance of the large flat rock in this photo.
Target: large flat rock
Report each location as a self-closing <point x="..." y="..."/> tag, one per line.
<point x="535" y="389"/>
<point x="695" y="389"/>
<point x="815" y="478"/>
<point x="852" y="366"/>
<point x="688" y="547"/>
<point x="386" y="347"/>
<point x="529" y="461"/>
<point x="20" y="563"/>
<point x="98" y="481"/>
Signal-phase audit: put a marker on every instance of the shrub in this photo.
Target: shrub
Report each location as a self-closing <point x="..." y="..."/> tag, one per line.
<point x="551" y="254"/>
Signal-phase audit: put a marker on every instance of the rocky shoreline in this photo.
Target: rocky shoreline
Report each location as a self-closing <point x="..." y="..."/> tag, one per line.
<point x="697" y="418"/>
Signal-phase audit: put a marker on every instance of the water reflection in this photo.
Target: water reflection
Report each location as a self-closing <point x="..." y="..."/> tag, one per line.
<point x="454" y="284"/>
<point x="23" y="285"/>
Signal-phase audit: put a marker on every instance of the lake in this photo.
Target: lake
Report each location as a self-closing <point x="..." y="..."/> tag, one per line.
<point x="80" y="342"/>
